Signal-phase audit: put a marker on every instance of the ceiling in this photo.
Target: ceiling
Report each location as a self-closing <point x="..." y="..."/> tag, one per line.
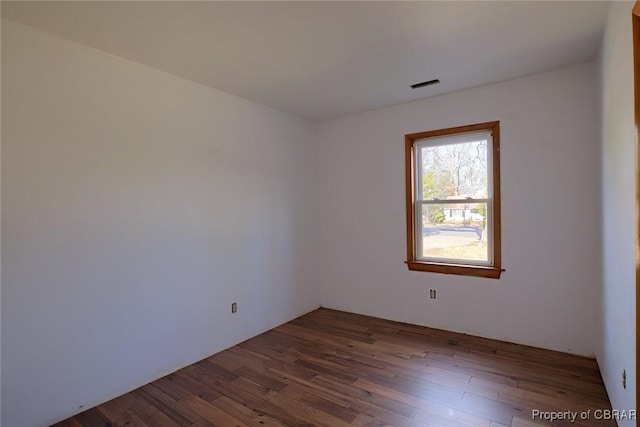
<point x="323" y="60"/>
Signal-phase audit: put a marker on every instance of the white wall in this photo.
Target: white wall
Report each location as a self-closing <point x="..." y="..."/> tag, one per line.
<point x="137" y="207"/>
<point x="617" y="349"/>
<point x="547" y="297"/>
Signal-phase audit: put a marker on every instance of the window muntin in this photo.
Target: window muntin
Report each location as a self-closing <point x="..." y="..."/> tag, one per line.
<point x="453" y="207"/>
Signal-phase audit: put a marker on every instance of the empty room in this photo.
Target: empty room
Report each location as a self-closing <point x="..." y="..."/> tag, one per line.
<point x="367" y="213"/>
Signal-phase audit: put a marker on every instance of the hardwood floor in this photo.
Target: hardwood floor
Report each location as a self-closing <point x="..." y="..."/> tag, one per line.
<point x="330" y="368"/>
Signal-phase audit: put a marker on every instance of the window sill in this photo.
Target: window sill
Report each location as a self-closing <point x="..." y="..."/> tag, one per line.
<point x="459" y="269"/>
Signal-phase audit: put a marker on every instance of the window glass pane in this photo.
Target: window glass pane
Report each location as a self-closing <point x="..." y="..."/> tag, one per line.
<point x="454" y="231"/>
<point x="454" y="170"/>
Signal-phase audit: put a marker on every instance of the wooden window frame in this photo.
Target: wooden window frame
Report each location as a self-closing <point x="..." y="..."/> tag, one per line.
<point x="493" y="271"/>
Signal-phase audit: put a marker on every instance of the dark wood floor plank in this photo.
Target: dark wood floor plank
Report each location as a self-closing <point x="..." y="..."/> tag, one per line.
<point x="175" y="410"/>
<point x="593" y="399"/>
<point x="172" y="388"/>
<point x="445" y="416"/>
<point x="149" y="414"/>
<point x="336" y="369"/>
<point x="385" y="416"/>
<point x="119" y="411"/>
<point x="244" y="413"/>
<point x="93" y="417"/>
<point x="211" y="413"/>
<point x="484" y="407"/>
<point x="193" y="381"/>
<point x="203" y="423"/>
<point x="329" y="406"/>
<point x="361" y="394"/>
<point x="308" y="386"/>
<point x="523" y="369"/>
<point x="69" y="422"/>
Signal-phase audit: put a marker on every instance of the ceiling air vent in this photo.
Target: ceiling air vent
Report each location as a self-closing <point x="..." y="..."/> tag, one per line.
<point x="427" y="83"/>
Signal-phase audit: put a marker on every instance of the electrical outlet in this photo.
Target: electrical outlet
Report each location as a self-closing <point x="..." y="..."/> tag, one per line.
<point x="432" y="294"/>
<point x="234" y="307"/>
<point x="624" y="378"/>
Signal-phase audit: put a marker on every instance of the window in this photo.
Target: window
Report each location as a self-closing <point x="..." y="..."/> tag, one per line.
<point x="453" y="200"/>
